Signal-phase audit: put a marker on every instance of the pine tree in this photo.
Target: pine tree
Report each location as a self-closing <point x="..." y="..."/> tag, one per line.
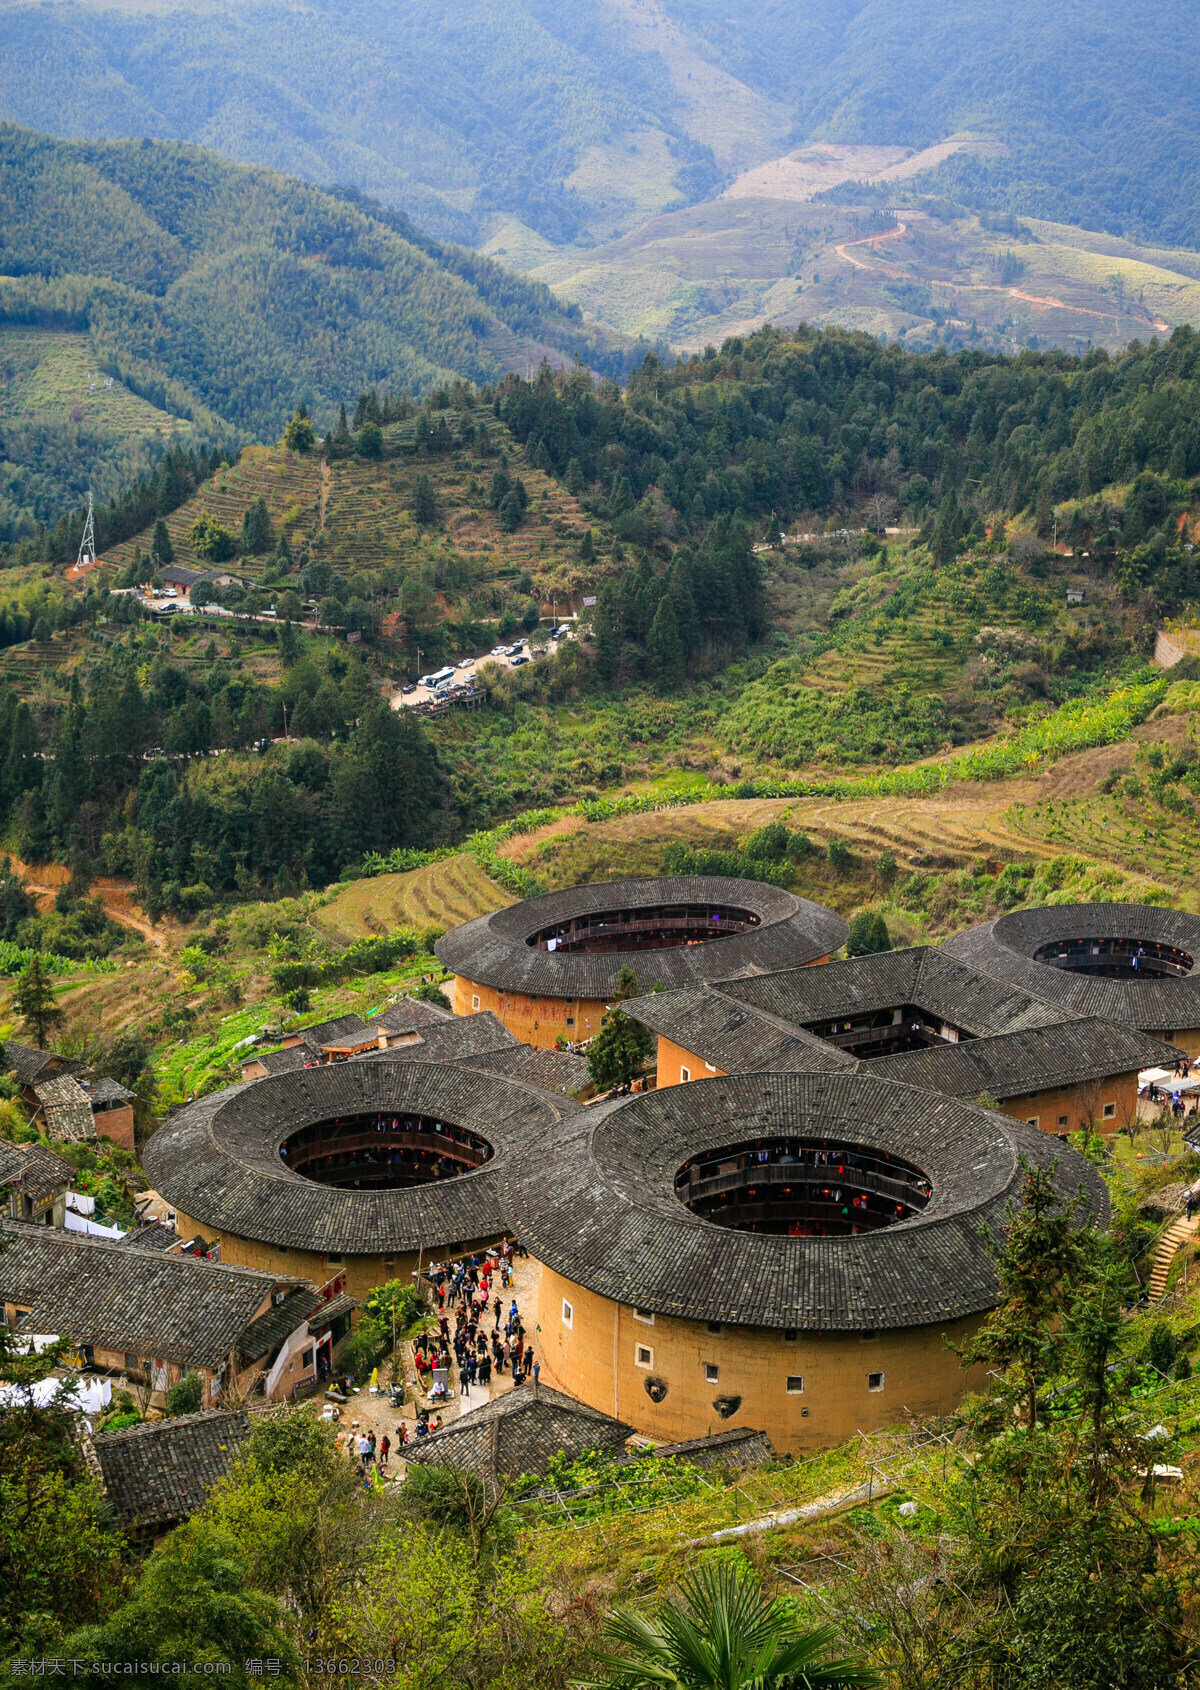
<point x="256" y="528"/>
<point x="424" y="502"/>
<point x="35" y="1003"/>
<point x="664" y="647"/>
<point x="160" y="544"/>
<point x="343" y="429"/>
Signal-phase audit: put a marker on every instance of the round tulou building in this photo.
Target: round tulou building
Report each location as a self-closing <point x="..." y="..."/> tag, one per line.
<point x="352" y="1171"/>
<point x="1132" y="964"/>
<point x="548" y="966"/>
<point x="790" y="1252"/>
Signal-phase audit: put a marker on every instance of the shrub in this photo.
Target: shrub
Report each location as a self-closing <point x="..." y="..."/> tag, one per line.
<point x="868" y="934"/>
<point x="186" y="1395"/>
<point x="838" y="853"/>
<point x="1161" y="1347"/>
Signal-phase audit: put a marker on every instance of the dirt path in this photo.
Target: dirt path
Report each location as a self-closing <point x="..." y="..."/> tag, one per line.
<point x="44" y="879"/>
<point x="325" y="489"/>
<point x="1042" y="302"/>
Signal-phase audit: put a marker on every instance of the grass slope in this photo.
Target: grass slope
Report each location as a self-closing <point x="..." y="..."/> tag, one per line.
<point x="245" y="291"/>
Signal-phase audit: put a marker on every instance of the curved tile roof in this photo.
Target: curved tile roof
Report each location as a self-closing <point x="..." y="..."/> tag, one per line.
<point x="603" y="1211"/>
<point x="1005" y="949"/>
<point x="493" y="950"/>
<point x="218" y="1160"/>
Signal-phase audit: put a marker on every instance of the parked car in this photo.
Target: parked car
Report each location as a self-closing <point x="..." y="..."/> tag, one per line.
<point x="516" y="648"/>
<point x="411" y="687"/>
<point x="465" y="662"/>
<point x="517" y="662"/>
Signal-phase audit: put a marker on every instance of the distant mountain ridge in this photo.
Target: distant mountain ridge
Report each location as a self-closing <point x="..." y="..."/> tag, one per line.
<point x="249" y="292"/>
<point x="224" y="296"/>
<point x="578" y="121"/>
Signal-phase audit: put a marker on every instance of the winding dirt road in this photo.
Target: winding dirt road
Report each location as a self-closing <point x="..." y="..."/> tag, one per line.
<point x="1042" y="302"/>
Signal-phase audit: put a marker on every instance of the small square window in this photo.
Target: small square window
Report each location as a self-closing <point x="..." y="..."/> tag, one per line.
<point x="306" y="1360"/>
<point x="1110" y="1110"/>
<point x="712" y="1373"/>
<point x="685" y="1074"/>
<point x="643" y="1355"/>
<point x="1033" y="1121"/>
<point x="874" y="1381"/>
<point x="711" y="1067"/>
<point x="1064" y="1120"/>
<point x="335" y="1259"/>
<point x="475" y="1001"/>
<point x="568" y="1314"/>
<point x="791" y="1336"/>
<point x="570" y="1020"/>
<point x="795" y="1384"/>
<point x="714" y="1326"/>
<point x="646" y="1316"/>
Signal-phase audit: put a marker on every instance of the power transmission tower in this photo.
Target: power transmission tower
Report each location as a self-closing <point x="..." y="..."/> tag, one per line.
<point x="87" y="546"/>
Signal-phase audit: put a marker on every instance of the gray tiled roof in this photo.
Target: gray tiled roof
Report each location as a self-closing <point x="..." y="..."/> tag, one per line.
<point x="342" y="1029"/>
<point x="28" y="1061"/>
<point x="738" y="1038"/>
<point x="520" y="1432"/>
<point x="602" y="1211"/>
<point x="106" y="1090"/>
<point x="218" y="1160"/>
<point x="32" y="1169"/>
<point x="285" y="1061"/>
<point x="740" y="1447"/>
<point x="1031" y="1060"/>
<point x="158" y="1474"/>
<point x="942" y="984"/>
<point x="561" y="1071"/>
<point x="264" y="1335"/>
<point x="409" y="1013"/>
<point x="493" y="948"/>
<point x="100" y="1292"/>
<point x="449" y="1041"/>
<point x="153" y="1235"/>
<point x="1005" y="949"/>
<point x="67" y="1108"/>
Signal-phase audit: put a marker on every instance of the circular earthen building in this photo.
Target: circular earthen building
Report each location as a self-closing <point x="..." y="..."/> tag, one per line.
<point x="354" y="1170"/>
<point x="790" y="1252"/>
<point x="1133" y="964"/>
<point x="548" y="967"/>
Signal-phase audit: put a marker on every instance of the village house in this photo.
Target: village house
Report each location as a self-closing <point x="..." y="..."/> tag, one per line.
<point x="67" y="1101"/>
<point x="33" y="1183"/>
<point x="158" y="1474"/>
<point x="151" y="1316"/>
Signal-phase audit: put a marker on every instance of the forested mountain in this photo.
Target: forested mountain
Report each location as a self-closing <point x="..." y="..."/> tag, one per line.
<point x="550" y="114"/>
<point x="206" y="285"/>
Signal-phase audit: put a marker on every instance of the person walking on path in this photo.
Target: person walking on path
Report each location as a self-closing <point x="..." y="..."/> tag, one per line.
<point x="384" y="1451"/>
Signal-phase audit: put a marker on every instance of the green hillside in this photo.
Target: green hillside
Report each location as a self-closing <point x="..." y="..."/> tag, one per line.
<point x="581" y="121"/>
<point x="243" y="292"/>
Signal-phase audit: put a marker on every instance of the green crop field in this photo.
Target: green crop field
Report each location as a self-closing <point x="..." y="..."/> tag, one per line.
<point x="57" y="377"/>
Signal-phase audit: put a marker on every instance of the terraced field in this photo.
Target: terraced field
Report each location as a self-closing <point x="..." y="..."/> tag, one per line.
<point x="55" y="376"/>
<point x="357" y="514"/>
<point x="444" y="894"/>
<point x="290" y="483"/>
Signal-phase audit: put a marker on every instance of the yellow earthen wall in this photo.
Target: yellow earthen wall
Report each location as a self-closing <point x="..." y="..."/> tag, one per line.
<point x="363" y="1273"/>
<point x="1188" y="1038"/>
<point x="594" y="1360"/>
<point x="672" y="1058"/>
<point x="534" y="1021"/>
<point x="1080" y="1103"/>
